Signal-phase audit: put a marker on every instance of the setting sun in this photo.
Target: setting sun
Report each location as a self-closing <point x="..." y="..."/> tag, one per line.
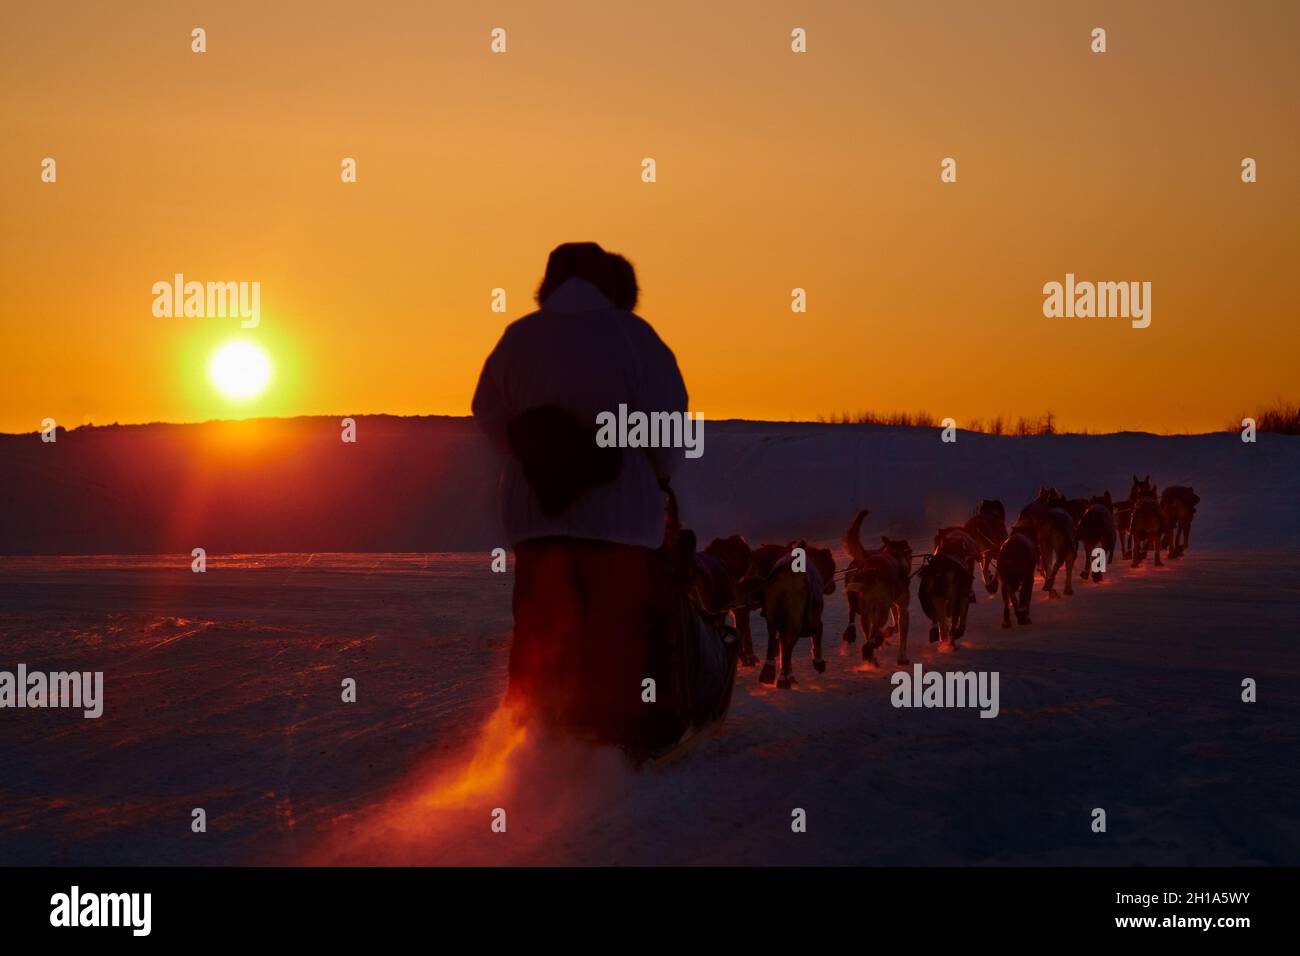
<point x="240" y="370"/>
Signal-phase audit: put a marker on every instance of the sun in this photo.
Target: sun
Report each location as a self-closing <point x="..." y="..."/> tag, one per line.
<point x="240" y="370"/>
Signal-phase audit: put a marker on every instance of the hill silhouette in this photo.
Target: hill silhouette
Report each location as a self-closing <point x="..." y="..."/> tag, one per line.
<point x="259" y="485"/>
<point x="429" y="483"/>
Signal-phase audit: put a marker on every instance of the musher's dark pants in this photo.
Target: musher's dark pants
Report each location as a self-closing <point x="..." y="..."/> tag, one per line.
<point x="593" y="620"/>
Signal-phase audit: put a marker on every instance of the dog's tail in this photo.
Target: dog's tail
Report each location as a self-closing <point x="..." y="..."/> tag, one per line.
<point x="853" y="537"/>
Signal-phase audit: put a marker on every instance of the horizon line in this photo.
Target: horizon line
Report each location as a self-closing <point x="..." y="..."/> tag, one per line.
<point x="1059" y="432"/>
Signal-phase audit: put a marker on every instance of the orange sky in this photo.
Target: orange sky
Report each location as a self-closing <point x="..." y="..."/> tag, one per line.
<point x="775" y="170"/>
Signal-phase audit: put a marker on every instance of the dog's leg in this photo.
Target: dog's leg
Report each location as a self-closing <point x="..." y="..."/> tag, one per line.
<point x="873" y="620"/>
<point x="1006" y="604"/>
<point x="959" y="619"/>
<point x="789" y="636"/>
<point x="942" y="617"/>
<point x="768" y="675"/>
<point x="1069" y="572"/>
<point x="1049" y="580"/>
<point x="747" y="655"/>
<point x="1026" y="597"/>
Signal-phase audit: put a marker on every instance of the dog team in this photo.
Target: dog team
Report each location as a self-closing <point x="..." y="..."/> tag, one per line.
<point x="787" y="584"/>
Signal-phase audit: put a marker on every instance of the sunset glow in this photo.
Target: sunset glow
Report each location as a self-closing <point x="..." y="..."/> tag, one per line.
<point x="775" y="171"/>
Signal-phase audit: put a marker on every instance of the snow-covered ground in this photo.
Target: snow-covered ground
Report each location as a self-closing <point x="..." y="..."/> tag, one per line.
<point x="226" y="695"/>
<point x="223" y="692"/>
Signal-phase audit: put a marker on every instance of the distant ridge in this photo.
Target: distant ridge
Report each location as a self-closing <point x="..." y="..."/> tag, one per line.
<point x="428" y="483"/>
